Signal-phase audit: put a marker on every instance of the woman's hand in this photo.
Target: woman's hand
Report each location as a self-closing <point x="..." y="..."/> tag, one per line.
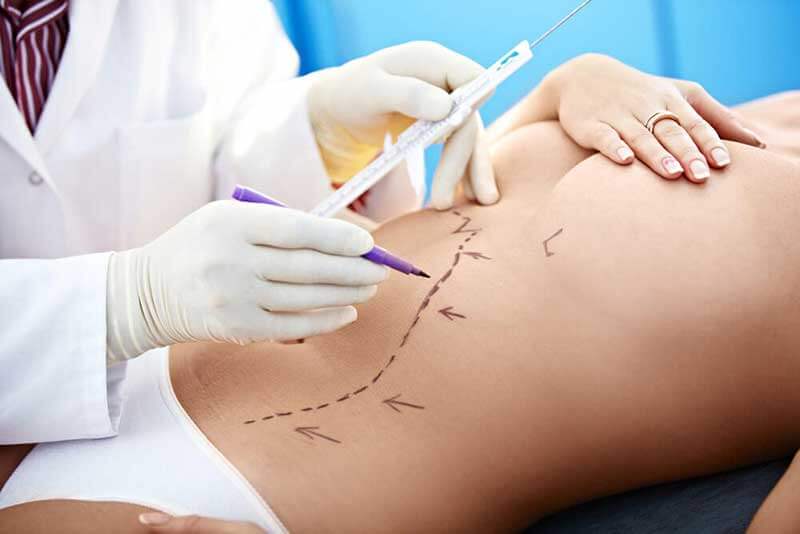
<point x="192" y="524"/>
<point x="604" y="104"/>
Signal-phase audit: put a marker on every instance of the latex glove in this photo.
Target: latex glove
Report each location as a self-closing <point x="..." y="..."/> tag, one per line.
<point x="238" y="273"/>
<point x="352" y="107"/>
<point x="603" y="104"/>
<point x="192" y="524"/>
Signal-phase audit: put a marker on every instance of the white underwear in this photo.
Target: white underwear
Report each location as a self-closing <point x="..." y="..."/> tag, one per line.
<point x="160" y="460"/>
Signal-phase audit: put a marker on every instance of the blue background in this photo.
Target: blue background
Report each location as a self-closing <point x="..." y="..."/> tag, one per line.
<point x="738" y="49"/>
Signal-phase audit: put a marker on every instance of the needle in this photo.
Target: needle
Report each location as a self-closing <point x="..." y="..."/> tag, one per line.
<point x="560" y="23"/>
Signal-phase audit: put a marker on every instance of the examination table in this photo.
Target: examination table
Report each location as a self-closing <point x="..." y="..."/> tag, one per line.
<point x="719" y="504"/>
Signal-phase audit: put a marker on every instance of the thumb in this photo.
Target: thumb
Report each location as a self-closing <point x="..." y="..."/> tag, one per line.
<point x="193" y="524"/>
<point x="412" y="97"/>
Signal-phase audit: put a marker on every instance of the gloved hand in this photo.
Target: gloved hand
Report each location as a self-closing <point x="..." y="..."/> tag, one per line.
<point x="353" y="106"/>
<point x="238" y="273"/>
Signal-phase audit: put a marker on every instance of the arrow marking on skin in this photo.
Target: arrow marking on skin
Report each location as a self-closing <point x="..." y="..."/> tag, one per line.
<point x="451" y="314"/>
<point x="393" y="403"/>
<point x="547" y="252"/>
<point x="476" y="255"/>
<point x="311" y="432"/>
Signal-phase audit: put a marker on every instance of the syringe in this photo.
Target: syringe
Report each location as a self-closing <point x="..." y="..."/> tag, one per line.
<point x="422" y="133"/>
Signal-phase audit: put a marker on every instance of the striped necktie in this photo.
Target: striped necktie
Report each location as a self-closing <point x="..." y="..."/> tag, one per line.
<point x="31" y="45"/>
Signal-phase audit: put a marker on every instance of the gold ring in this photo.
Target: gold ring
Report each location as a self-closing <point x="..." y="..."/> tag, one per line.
<point x="659" y="116"/>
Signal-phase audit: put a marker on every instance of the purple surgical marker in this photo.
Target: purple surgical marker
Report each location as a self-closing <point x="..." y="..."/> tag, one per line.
<point x="376" y="255"/>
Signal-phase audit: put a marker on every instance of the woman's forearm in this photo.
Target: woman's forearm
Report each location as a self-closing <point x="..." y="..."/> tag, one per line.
<point x="541" y="104"/>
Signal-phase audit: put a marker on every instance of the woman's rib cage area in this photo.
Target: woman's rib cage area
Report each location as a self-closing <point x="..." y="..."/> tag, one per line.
<point x="384" y="373"/>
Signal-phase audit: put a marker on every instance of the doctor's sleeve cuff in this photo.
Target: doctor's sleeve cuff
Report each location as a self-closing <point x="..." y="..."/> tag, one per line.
<point x="55" y="385"/>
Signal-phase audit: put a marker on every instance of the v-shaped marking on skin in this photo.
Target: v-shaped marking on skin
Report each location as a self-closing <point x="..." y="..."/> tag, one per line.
<point x="463" y="228"/>
<point x="547" y="252"/>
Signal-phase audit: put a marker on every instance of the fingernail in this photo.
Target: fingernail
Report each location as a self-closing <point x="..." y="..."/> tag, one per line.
<point x="154" y="519"/>
<point x="364" y="241"/>
<point x="671" y="165"/>
<point x="370" y="292"/>
<point x="442" y="205"/>
<point x="756" y="138"/>
<point x="699" y="169"/>
<point x="720" y="156"/>
<point x="624" y="153"/>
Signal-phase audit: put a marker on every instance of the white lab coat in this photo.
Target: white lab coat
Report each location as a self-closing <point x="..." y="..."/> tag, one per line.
<point x="157" y="108"/>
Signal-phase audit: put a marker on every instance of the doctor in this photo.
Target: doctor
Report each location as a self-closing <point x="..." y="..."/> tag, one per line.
<point x="120" y="120"/>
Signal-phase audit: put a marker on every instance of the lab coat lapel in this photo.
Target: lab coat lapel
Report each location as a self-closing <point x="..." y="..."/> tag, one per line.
<point x="15" y="132"/>
<point x="90" y="22"/>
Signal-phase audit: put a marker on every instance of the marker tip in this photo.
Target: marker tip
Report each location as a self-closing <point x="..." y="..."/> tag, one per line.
<point x="423" y="274"/>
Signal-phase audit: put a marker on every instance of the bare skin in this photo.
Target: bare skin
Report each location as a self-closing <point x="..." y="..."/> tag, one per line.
<point x="653" y="339"/>
<point x="778" y="514"/>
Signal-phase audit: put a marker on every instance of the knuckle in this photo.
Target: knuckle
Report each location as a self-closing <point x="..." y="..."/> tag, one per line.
<point x="270" y="298"/>
<point x="728" y="115"/>
<point x="698" y="126"/>
<point x="298" y="263"/>
<point x="641" y="140"/>
<point x="287" y="298"/>
<point x="345" y="273"/>
<point x="643" y="98"/>
<point x="412" y="100"/>
<point x="669" y="93"/>
<point x="423" y="46"/>
<point x="705" y="134"/>
<point x="218" y="271"/>
<point x="689" y="154"/>
<point x="694" y="88"/>
<point x="608" y="143"/>
<point x="699" y="88"/>
<point x="591" y="57"/>
<point x="217" y="301"/>
<point x="669" y="130"/>
<point x="288" y="227"/>
<point x="268" y="323"/>
<point x="599" y="133"/>
<point x="207" y="217"/>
